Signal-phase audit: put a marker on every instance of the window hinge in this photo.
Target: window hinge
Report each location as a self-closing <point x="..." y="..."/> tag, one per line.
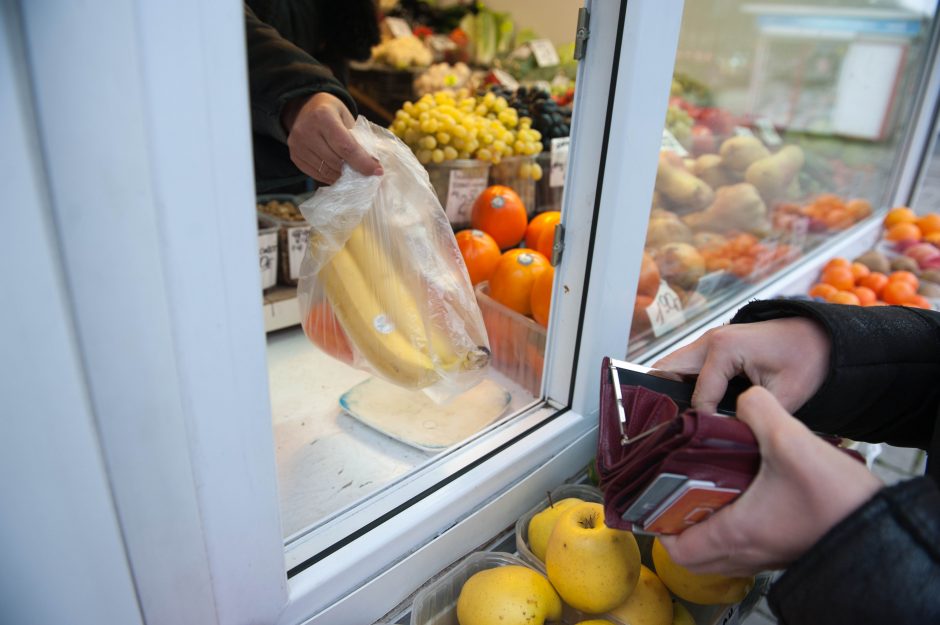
<point x="558" y="245"/>
<point x="581" y="36"/>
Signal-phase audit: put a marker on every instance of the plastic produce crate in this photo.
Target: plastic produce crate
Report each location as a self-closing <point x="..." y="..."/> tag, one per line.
<point x="292" y="234"/>
<point x="515" y="173"/>
<point x="457" y="184"/>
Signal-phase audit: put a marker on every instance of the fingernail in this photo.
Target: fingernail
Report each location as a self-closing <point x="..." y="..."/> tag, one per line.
<point x="378" y="171"/>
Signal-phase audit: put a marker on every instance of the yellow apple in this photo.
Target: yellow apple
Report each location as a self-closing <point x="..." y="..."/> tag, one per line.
<point x="704" y="589"/>
<point x="542" y="524"/>
<point x="681" y="614"/>
<point x="648" y="604"/>
<point x="593" y="567"/>
<point x="508" y="595"/>
<point x="597" y="621"/>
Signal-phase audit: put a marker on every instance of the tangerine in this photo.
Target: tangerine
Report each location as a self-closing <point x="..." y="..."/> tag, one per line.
<point x="859" y="271"/>
<point x="899" y="214"/>
<point x="844" y="297"/>
<point x="512" y="280"/>
<point x="480" y="253"/>
<point x="875" y="281"/>
<point x="542" y="296"/>
<point x="649" y="277"/>
<point x="323" y="329"/>
<point x="929" y="223"/>
<point x="859" y="208"/>
<point x="839" y="277"/>
<point x="533" y="231"/>
<point x="838" y="261"/>
<point x="823" y="290"/>
<point x="904" y="276"/>
<point x="641" y="318"/>
<point x="918" y="301"/>
<point x="865" y="295"/>
<point x="898" y="292"/>
<point x="499" y="212"/>
<point x="904" y="231"/>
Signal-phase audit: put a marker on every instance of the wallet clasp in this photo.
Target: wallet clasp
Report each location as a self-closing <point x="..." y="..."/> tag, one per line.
<point x="622" y="414"/>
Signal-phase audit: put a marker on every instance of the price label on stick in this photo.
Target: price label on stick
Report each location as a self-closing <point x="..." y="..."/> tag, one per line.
<point x="665" y="312"/>
<point x="398" y="27"/>
<point x="297" y="246"/>
<point x="558" y="163"/>
<point x="463" y="189"/>
<point x="544" y="52"/>
<point x="505" y="79"/>
<point x="671" y="144"/>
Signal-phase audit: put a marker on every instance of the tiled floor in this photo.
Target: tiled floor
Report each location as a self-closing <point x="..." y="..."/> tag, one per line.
<point x="893" y="464"/>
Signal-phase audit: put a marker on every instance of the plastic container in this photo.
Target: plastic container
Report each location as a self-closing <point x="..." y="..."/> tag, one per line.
<point x="457" y="184"/>
<point x="267" y="254"/>
<point x="517" y="343"/>
<point x="515" y="172"/>
<point x="547" y="197"/>
<point x="292" y="234"/>
<point x="580" y="491"/>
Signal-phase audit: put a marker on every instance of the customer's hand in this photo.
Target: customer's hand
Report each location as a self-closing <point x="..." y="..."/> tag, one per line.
<point x="803" y="488"/>
<point x="789" y="357"/>
<point x="319" y="139"/>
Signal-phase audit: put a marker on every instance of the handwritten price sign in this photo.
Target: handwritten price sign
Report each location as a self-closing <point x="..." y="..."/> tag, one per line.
<point x="665" y="312"/>
<point x="463" y="189"/>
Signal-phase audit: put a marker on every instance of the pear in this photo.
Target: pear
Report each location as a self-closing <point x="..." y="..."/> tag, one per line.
<point x="508" y="595"/>
<point x="593" y="567"/>
<point x="542" y="524"/>
<point x="704" y="589"/>
<point x="648" y="604"/>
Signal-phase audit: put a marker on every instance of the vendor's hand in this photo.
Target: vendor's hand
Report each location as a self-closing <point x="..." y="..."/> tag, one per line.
<point x="803" y="488"/>
<point x="789" y="357"/>
<point x="319" y="139"/>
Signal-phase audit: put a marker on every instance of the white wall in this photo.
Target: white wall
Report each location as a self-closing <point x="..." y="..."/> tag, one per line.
<point x="553" y="19"/>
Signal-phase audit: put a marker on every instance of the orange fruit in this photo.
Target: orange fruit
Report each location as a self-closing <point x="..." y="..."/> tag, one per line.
<point x="480" y="253"/>
<point x="829" y="201"/>
<point x="533" y="231"/>
<point x="899" y="214"/>
<point x="499" y="212"/>
<point x="546" y="242"/>
<point x="898" y="292"/>
<point x="918" y="301"/>
<point x="904" y="231"/>
<point x="865" y="295"/>
<point x="904" y="276"/>
<point x="839" y="277"/>
<point x="877" y="302"/>
<point x="933" y="237"/>
<point x="859" y="208"/>
<point x="929" y="223"/>
<point x="838" y="261"/>
<point x="844" y="297"/>
<point x="542" y="296"/>
<point x="875" y="281"/>
<point x="512" y="280"/>
<point x="823" y="290"/>
<point x="859" y="271"/>
<point x="649" y="277"/>
<point x="324" y="331"/>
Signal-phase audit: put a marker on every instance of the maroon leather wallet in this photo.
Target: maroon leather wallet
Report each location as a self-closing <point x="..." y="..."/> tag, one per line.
<point x="650" y="437"/>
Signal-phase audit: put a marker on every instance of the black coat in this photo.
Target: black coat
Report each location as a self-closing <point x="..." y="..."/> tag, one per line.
<point x="882" y="563"/>
<point x="283" y="37"/>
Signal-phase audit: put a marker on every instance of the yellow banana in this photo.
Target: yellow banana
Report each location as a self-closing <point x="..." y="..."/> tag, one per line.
<point x="369" y="326"/>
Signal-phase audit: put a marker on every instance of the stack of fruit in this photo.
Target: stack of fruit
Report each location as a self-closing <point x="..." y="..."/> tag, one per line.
<point x="908" y="231"/>
<point x="826" y="212"/>
<point x="548" y="117"/>
<point x="846" y="282"/>
<point x="445" y="126"/>
<point x="593" y="569"/>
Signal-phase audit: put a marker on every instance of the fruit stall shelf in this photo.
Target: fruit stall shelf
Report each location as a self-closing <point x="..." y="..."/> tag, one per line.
<point x="280" y="308"/>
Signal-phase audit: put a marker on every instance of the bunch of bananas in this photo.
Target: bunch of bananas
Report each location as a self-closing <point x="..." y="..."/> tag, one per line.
<point x="379" y="312"/>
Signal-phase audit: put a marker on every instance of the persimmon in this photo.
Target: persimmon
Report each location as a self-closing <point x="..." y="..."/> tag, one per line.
<point x="918" y="301"/>
<point x="499" y="212"/>
<point x="875" y="281"/>
<point x="541" y="298"/>
<point x="904" y="231"/>
<point x="512" y="280"/>
<point x="838" y="261"/>
<point x="844" y="297"/>
<point x="540" y="222"/>
<point x="897" y="292"/>
<point x="859" y="271"/>
<point x="823" y="290"/>
<point x="899" y="214"/>
<point x="480" y="253"/>
<point x="904" y="276"/>
<point x="839" y="277"/>
<point x="865" y="295"/>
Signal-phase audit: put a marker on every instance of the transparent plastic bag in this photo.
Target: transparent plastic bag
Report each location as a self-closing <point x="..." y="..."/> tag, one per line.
<point x="383" y="286"/>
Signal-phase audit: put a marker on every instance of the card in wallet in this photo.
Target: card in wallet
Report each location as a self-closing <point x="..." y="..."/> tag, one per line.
<point x="653" y="449"/>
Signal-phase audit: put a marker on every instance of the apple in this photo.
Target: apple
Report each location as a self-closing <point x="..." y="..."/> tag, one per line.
<point x="704" y="589"/>
<point x="926" y="255"/>
<point x="593" y="567"/>
<point x="542" y="524"/>
<point x="648" y="604"/>
<point x="681" y="614"/>
<point x="508" y="595"/>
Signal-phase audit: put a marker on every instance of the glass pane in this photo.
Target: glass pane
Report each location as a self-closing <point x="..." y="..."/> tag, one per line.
<point x="786" y="127"/>
<point x="483" y="101"/>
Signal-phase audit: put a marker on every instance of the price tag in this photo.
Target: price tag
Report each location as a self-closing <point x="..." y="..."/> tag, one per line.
<point x="665" y="312"/>
<point x="741" y="131"/>
<point x="558" y="163"/>
<point x="671" y="144"/>
<point x="505" y="79"/>
<point x="544" y="52"/>
<point x="398" y="27"/>
<point x="768" y="133"/>
<point x="267" y="257"/>
<point x="463" y="189"/>
<point x="296" y="248"/>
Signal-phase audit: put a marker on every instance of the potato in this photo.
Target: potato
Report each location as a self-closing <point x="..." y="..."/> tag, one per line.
<point x="683" y="191"/>
<point x="736" y="207"/>
<point x="709" y="168"/>
<point x="737" y="153"/>
<point x="680" y="264"/>
<point x="667" y="230"/>
<point x="773" y="174"/>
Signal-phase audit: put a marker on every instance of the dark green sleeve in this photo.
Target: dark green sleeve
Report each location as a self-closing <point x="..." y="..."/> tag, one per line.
<point x="883" y="383"/>
<point x="279" y="71"/>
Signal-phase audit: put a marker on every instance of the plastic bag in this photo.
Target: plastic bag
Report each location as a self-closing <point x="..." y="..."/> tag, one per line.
<point x="383" y="286"/>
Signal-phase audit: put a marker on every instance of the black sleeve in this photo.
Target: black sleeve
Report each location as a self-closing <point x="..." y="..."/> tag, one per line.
<point x="879" y="565"/>
<point x="883" y="383"/>
<point x="279" y="71"/>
